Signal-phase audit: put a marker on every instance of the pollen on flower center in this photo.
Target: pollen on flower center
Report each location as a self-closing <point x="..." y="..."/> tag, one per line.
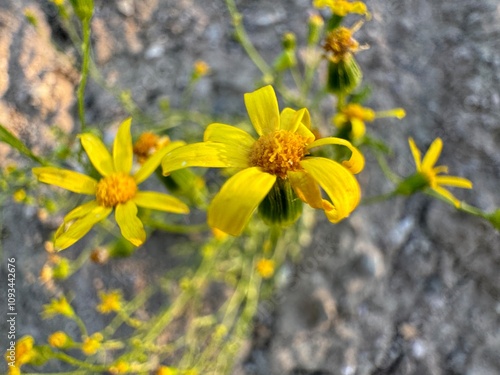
<point x="340" y="43"/>
<point x="114" y="189"/>
<point x="279" y="152"/>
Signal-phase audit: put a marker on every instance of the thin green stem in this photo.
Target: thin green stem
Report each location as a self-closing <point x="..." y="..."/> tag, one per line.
<point x="84" y="72"/>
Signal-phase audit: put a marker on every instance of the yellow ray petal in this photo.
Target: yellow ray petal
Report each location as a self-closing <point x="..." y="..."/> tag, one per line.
<point x="447" y="195"/>
<point x="122" y="148"/>
<point x="130" y="225"/>
<point x="340" y="185"/>
<point x="339" y="120"/>
<point x="68" y="234"/>
<point x="263" y="110"/>
<point x="356" y="162"/>
<point x="416" y="154"/>
<point x="306" y="188"/>
<point x="154" y="161"/>
<point x="454" y="181"/>
<point x="69" y="180"/>
<point x="80" y="211"/>
<point x="291" y="119"/>
<point x="358" y="128"/>
<point x="159" y="201"/>
<point x="233" y="205"/>
<point x="98" y="154"/>
<point x="227" y="134"/>
<point x="432" y="154"/>
<point x="206" y="154"/>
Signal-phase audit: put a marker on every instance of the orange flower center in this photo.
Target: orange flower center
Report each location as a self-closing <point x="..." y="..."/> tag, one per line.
<point x="145" y="145"/>
<point x="279" y="152"/>
<point x="340" y="43"/>
<point x="114" y="189"/>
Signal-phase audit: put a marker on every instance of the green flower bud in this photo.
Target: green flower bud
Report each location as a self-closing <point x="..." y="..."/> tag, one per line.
<point x="281" y="207"/>
<point x="83" y="9"/>
<point x="344" y="76"/>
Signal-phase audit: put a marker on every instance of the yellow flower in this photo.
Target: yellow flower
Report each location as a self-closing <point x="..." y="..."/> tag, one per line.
<point x="58" y="339"/>
<point x="265" y="268"/>
<point x="19" y="195"/>
<point x="147" y="144"/>
<point x="354" y="115"/>
<point x="92" y="344"/>
<point x="280" y="152"/>
<point x="116" y="189"/>
<point x="342" y="7"/>
<point x="120" y="367"/>
<point x="58" y="307"/>
<point x="23" y="353"/>
<point x="58" y="2"/>
<point x="430" y="173"/>
<point x="340" y="44"/>
<point x="200" y="69"/>
<point x="110" y="302"/>
<point x="164" y="370"/>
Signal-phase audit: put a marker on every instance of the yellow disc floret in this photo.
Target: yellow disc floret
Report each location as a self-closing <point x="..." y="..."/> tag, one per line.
<point x="279" y="152"/>
<point x="340" y="43"/>
<point x="115" y="189"/>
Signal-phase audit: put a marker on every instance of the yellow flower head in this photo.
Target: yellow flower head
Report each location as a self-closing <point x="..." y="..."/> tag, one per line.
<point x="92" y="344"/>
<point x="59" y="339"/>
<point x="164" y="370"/>
<point x="120" y="367"/>
<point x="200" y="69"/>
<point x="19" y="195"/>
<point x="355" y="116"/>
<point x="58" y="307"/>
<point x="340" y="44"/>
<point x="24" y="352"/>
<point x="117" y="189"/>
<point x="426" y="168"/>
<point x="265" y="268"/>
<point x="280" y="152"/>
<point x="343" y="7"/>
<point x="110" y="302"/>
<point x="147" y="144"/>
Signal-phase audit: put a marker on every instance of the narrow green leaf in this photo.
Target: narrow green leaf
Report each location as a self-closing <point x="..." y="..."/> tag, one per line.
<point x="9" y="138"/>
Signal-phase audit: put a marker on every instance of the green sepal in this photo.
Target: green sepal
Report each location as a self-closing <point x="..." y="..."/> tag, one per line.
<point x="83" y="9"/>
<point x="343" y="76"/>
<point x="334" y="22"/>
<point x="281" y="206"/>
<point x="416" y="182"/>
<point x="494" y="219"/>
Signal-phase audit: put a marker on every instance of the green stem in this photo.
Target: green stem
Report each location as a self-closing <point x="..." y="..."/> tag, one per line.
<point x="77" y="363"/>
<point x="84" y="72"/>
<point x="175" y="228"/>
<point x="378" y="198"/>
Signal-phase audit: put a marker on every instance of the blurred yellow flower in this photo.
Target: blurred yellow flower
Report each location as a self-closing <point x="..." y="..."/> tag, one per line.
<point x="110" y="302"/>
<point x="58" y="307"/>
<point x="200" y="69"/>
<point x="147" y="144"/>
<point x="116" y="189"/>
<point x="265" y="268"/>
<point x="58" y="339"/>
<point x="92" y="344"/>
<point x="340" y="44"/>
<point x="120" y="367"/>
<point x="426" y="168"/>
<point x="280" y="152"/>
<point x="164" y="370"/>
<point x="23" y="353"/>
<point x="19" y="195"/>
<point x="354" y="116"/>
<point x="342" y="7"/>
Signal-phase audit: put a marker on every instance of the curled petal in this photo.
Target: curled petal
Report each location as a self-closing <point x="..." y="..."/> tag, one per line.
<point x="130" y="225"/>
<point x="154" y="161"/>
<point x="69" y="233"/>
<point x="338" y="183"/>
<point x="291" y="119"/>
<point x="233" y="205"/>
<point x="80" y="211"/>
<point x="159" y="201"/>
<point x="98" y="154"/>
<point x="206" y="154"/>
<point x="356" y="162"/>
<point x="122" y="148"/>
<point x="306" y="188"/>
<point x="432" y="154"/>
<point x="69" y="180"/>
<point x="263" y="110"/>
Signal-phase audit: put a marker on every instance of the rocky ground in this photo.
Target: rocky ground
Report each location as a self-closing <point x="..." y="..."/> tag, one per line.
<point x="409" y="286"/>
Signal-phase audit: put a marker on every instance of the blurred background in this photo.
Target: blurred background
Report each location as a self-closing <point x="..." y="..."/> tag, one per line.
<point x="407" y="286"/>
